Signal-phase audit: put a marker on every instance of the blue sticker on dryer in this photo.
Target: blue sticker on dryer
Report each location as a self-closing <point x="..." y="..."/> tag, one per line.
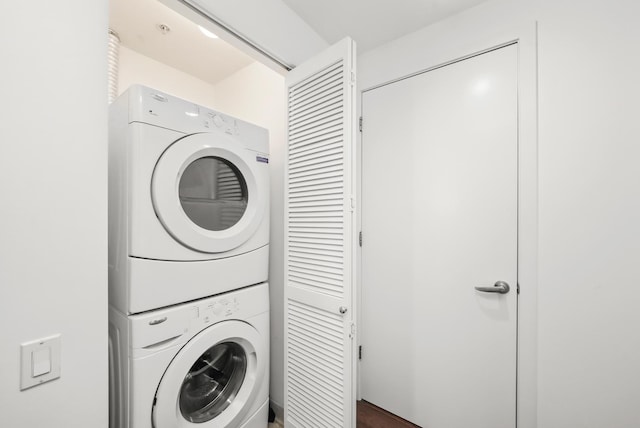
<point x="262" y="159"/>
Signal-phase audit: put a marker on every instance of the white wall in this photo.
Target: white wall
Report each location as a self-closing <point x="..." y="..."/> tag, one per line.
<point x="589" y="297"/>
<point x="53" y="183"/>
<point x="257" y="94"/>
<point x="135" y="68"/>
<point x="580" y="347"/>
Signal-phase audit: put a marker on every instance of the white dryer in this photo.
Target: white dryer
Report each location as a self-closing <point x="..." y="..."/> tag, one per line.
<point x="203" y="364"/>
<point x="188" y="201"/>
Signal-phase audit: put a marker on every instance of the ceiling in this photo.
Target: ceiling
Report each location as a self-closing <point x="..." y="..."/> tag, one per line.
<point x="371" y="23"/>
<point x="184" y="47"/>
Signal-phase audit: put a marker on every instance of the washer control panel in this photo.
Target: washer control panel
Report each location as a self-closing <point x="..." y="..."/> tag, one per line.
<point x="224" y="306"/>
<point x="219" y="308"/>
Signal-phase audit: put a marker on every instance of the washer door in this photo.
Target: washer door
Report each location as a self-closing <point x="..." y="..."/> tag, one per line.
<point x="213" y="380"/>
<point x="205" y="193"/>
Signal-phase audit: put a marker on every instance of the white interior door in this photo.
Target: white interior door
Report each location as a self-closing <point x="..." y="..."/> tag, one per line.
<point x="439" y="218"/>
<point x="319" y="236"/>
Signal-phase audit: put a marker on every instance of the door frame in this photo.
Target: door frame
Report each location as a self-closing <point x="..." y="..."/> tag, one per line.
<point x="461" y="47"/>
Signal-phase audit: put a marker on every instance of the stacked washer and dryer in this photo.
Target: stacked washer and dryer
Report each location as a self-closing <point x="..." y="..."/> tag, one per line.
<point x="188" y="264"/>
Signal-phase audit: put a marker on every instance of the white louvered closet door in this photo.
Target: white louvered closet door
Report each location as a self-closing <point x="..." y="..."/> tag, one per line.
<point x="319" y="242"/>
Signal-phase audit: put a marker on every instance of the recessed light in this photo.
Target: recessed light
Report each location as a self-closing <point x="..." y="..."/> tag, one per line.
<point x="207" y="32"/>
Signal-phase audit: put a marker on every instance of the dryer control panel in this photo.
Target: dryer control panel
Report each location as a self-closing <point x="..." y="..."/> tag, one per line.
<point x="182" y="114"/>
<point x="153" y="107"/>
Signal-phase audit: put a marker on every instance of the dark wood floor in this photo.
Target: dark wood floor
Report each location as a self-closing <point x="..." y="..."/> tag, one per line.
<point x="370" y="416"/>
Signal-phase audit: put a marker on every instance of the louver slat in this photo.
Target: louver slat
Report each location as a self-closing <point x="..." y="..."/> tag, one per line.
<point x="333" y="118"/>
<point x="327" y="99"/>
<point x="297" y="260"/>
<point x="318" y="139"/>
<point x="320" y="111"/>
<point x="317" y="148"/>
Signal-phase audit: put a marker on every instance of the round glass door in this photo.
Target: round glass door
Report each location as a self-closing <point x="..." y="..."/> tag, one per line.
<point x="206" y="194"/>
<point x="213" y="193"/>
<point x="213" y="382"/>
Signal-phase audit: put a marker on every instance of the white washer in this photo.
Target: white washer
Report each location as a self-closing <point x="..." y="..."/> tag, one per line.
<point x="188" y="201"/>
<point x="203" y="364"/>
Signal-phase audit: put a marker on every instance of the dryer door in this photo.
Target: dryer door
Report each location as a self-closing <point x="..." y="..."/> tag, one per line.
<point x="206" y="194"/>
<point x="213" y="380"/>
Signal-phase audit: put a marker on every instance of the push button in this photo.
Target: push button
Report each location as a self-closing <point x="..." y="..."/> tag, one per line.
<point x="40" y="362"/>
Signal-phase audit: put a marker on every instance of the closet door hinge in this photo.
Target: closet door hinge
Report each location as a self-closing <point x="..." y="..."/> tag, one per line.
<point x="360" y="352"/>
<point x="360" y="123"/>
<point x="360" y="238"/>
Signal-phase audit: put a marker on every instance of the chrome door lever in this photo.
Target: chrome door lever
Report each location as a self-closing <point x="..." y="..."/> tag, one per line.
<point x="499" y="287"/>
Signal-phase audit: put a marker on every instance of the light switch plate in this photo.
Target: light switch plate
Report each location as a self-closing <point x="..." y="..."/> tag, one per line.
<point x="34" y="367"/>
